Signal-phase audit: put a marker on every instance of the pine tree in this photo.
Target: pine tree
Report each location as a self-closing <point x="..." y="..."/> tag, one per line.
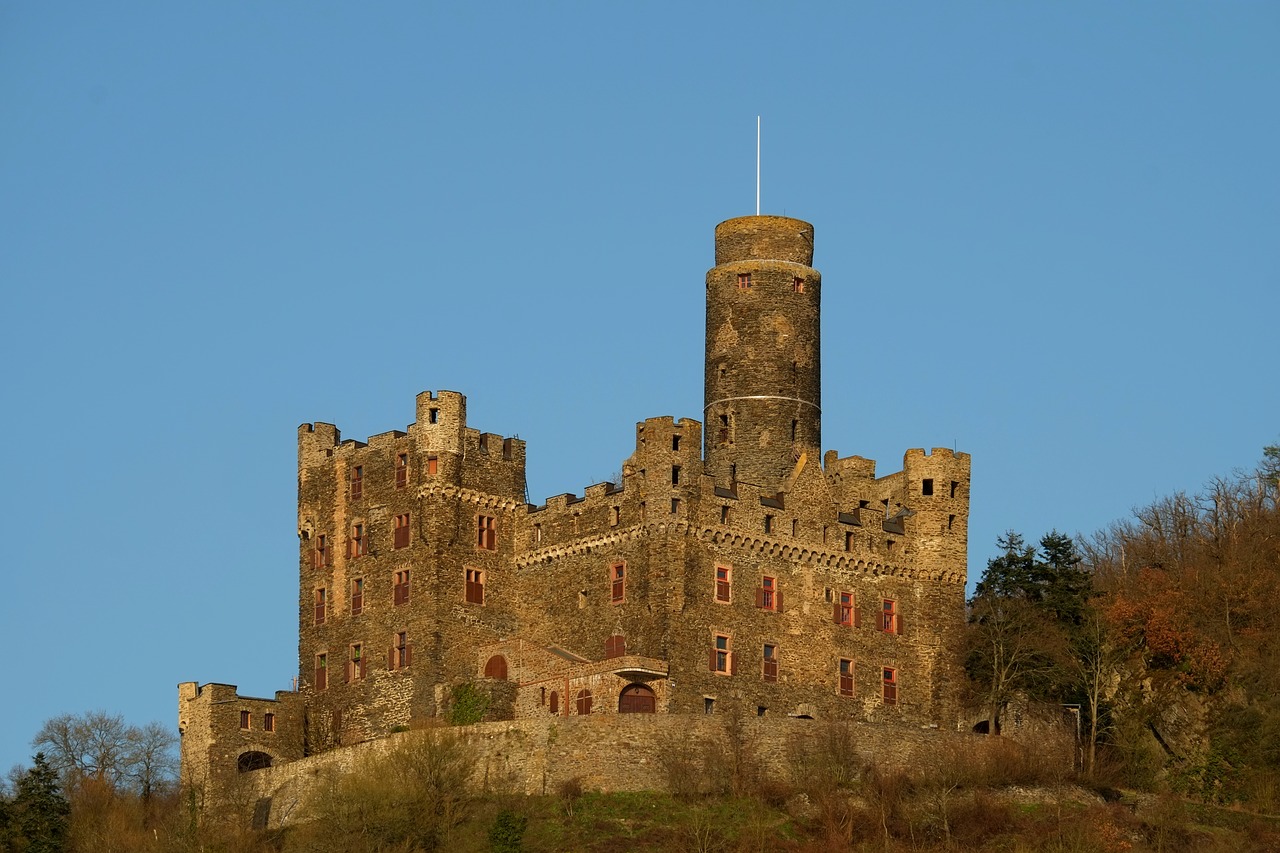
<point x="39" y="813"/>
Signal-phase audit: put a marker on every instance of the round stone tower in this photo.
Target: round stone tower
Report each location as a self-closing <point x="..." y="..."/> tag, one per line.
<point x="763" y="376"/>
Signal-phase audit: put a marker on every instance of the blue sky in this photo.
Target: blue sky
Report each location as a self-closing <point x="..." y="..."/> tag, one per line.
<point x="1047" y="233"/>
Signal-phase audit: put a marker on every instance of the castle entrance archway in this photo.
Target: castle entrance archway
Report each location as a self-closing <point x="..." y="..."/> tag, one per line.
<point x="637" y="699"/>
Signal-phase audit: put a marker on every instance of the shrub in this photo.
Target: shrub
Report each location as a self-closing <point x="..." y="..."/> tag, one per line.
<point x="468" y="705"/>
<point x="507" y="833"/>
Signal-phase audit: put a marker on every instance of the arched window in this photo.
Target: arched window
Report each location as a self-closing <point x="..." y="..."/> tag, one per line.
<point x="615" y="646"/>
<point x="496" y="667"/>
<point x="584" y="703"/>
<point x="555" y="702"/>
<point x="637" y="699"/>
<point x="252" y="761"/>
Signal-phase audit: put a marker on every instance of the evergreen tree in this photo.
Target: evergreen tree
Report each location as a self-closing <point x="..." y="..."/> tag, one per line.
<point x="39" y="813"/>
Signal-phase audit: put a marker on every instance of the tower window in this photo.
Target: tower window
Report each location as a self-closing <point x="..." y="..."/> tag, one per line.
<point x="890" y="682"/>
<point x="322" y="666"/>
<point x="475" y="586"/>
<point x="401" y="654"/>
<point x="401" y="531"/>
<point x="320" y="606"/>
<point x="890" y="621"/>
<point x="951" y="520"/>
<point x="846" y="677"/>
<point x="744" y="281"/>
<point x="768" y="524"/>
<point x="797" y="285"/>
<point x="400" y="590"/>
<point x="486" y="533"/>
<point x="723" y="587"/>
<point x="322" y="551"/>
<point x="357" y="481"/>
<point x="954" y="486"/>
<point x="767" y="596"/>
<point x="770" y="662"/>
<point x="675" y="475"/>
<point x="433" y="416"/>
<point x="926" y="486"/>
<point x="675" y="442"/>
<point x="721" y="655"/>
<point x="357" y="596"/>
<point x="724" y="514"/>
<point x="402" y="470"/>
<point x="244" y="719"/>
<point x="433" y="465"/>
<point x="675" y="506"/>
<point x="618" y="582"/>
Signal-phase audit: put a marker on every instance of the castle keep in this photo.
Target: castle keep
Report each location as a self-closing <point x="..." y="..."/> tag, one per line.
<point x="735" y="568"/>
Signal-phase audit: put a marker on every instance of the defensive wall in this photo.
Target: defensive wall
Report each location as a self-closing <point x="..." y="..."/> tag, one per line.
<point x="609" y="753"/>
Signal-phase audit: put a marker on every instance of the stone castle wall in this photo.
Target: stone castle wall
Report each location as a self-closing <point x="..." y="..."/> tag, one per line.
<point x="609" y="753"/>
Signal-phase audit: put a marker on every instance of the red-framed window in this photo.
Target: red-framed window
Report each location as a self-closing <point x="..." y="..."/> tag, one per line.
<point x="846" y="677"/>
<point x="845" y="611"/>
<point x="890" y="621"/>
<point x="355" y="662"/>
<point x="615" y="646"/>
<point x="320" y="602"/>
<point x="268" y="722"/>
<point x="618" y="583"/>
<point x="797" y="285"/>
<point x="322" y="671"/>
<point x="357" y="481"/>
<point x="721" y="659"/>
<point x="769" y="596"/>
<point x="401" y="653"/>
<point x="358" y="545"/>
<point x="486" y="533"/>
<point x="244" y="719"/>
<point x="889" y="682"/>
<point x="321" y="556"/>
<point x="724" y="578"/>
<point x="433" y="465"/>
<point x="770" y="671"/>
<point x="583" y="703"/>
<point x="402" y="470"/>
<point x="475" y="586"/>
<point x="401" y="531"/>
<point x="400" y="589"/>
<point x="744" y="281"/>
<point x="357" y="596"/>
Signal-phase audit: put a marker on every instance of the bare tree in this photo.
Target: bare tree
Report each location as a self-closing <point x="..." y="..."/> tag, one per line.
<point x="102" y="747"/>
<point x="1011" y="646"/>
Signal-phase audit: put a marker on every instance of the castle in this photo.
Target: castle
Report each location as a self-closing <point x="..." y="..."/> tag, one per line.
<point x="735" y="567"/>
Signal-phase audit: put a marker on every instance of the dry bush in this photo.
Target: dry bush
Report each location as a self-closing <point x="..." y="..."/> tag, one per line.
<point x="570" y="791"/>
<point x="408" y="800"/>
<point x="684" y="764"/>
<point x="978" y="818"/>
<point x="825" y="756"/>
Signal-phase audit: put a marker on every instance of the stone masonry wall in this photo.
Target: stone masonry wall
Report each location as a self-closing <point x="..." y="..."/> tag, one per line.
<point x="609" y="753"/>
